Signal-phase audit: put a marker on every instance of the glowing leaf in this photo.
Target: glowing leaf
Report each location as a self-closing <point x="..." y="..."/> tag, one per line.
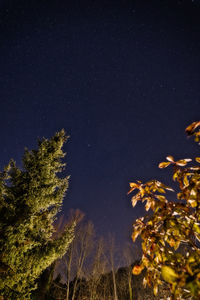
<point x="191" y="128"/>
<point x="134" y="200"/>
<point x="195" y="168"/>
<point x="142" y="191"/>
<point x="144" y="282"/>
<point x="181" y="162"/>
<point x="161" y="190"/>
<point x="132" y="184"/>
<point x="171" y="224"/>
<point x="170" y="158"/>
<point x="196" y="228"/>
<point x="192" y="202"/>
<point x="145" y="261"/>
<point x="137" y="269"/>
<point x="185" y="181"/>
<point x="172" y="242"/>
<point x="169" y="188"/>
<point x="193" y="192"/>
<point x="135" y="235"/>
<point x="148" y="205"/>
<point x="175" y="176"/>
<point x="189" y="270"/>
<point x="169" y="274"/>
<point x="155" y="289"/>
<point x="161" y="198"/>
<point x="164" y="165"/>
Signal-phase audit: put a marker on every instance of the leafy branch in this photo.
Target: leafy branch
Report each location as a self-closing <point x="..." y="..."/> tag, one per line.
<point x="171" y="235"/>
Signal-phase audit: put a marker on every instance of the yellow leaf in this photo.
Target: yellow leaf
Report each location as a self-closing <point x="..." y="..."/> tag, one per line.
<point x="197" y="159"/>
<point x="169" y="188"/>
<point x="180" y="196"/>
<point x="189" y="270"/>
<point x="192" y="202"/>
<point x="132" y="184"/>
<point x="195" y="168"/>
<point x="196" y="228"/>
<point x="135" y="235"/>
<point x="152" y="205"/>
<point x="190" y="129"/>
<point x="148" y="205"/>
<point x="170" y="158"/>
<point x="191" y="259"/>
<point x="171" y="242"/>
<point x="185" y="180"/>
<point x="155" y="290"/>
<point x="142" y="191"/>
<point x="177" y="244"/>
<point x="164" y="165"/>
<point x="145" y="261"/>
<point x="181" y="162"/>
<point x="175" y="176"/>
<point x="134" y="200"/>
<point x="193" y="193"/>
<point x="168" y="274"/>
<point x="161" y="191"/>
<point x="161" y="198"/>
<point x="144" y="282"/>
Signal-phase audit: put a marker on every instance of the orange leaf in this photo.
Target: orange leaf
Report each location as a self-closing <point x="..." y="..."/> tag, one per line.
<point x="161" y="198"/>
<point x="137" y="269"/>
<point x="182" y="162"/>
<point x="135" y="235"/>
<point x="170" y="158"/>
<point x="148" y="205"/>
<point x="191" y="128"/>
<point x="164" y="165"/>
<point x="133" y="186"/>
<point x="134" y="200"/>
<point x="192" y="202"/>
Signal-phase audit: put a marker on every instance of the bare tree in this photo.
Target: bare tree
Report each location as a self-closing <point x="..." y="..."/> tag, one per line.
<point x="98" y="267"/>
<point x="129" y="256"/>
<point x="112" y="262"/>
<point x="75" y="261"/>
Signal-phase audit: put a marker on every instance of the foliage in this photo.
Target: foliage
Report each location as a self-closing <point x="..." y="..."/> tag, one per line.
<point x="30" y="199"/>
<point x="171" y="235"/>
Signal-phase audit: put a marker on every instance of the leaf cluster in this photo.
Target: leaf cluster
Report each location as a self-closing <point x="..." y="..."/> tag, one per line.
<point x="171" y="234"/>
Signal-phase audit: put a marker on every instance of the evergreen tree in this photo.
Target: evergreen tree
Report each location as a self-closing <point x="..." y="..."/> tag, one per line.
<point x="30" y="199"/>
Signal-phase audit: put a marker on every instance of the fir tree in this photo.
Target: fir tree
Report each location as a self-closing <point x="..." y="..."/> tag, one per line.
<point x="30" y="199"/>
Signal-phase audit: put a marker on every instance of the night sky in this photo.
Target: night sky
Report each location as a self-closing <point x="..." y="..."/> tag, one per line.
<point x="121" y="77"/>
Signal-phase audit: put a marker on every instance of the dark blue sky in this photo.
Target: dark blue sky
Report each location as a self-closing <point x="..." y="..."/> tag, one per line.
<point x="122" y="78"/>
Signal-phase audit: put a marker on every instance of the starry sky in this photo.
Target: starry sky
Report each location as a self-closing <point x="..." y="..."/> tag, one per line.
<point x="121" y="77"/>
